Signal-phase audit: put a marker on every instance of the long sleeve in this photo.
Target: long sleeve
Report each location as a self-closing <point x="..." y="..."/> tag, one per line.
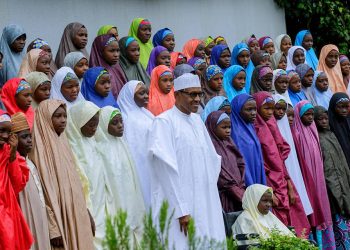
<point x="54" y="231"/>
<point x="18" y="173"/>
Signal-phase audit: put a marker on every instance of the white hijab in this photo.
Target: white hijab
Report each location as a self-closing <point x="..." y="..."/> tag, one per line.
<point x="290" y="63"/>
<point x="278" y="42"/>
<point x="56" y="85"/>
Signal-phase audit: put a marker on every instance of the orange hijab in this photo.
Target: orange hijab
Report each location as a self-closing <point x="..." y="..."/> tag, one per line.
<point x="158" y="101"/>
<point x="335" y="77"/>
<point x="190" y="47"/>
<point x="8" y="98"/>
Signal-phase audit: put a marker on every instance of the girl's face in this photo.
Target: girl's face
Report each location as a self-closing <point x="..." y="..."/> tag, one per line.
<point x="215" y="82"/>
<point x="295" y="84"/>
<point x="166" y="83"/>
<point x="103" y="85"/>
<point x="209" y="48"/>
<point x="24" y="99"/>
<point x="223" y="129"/>
<point x="342" y="109"/>
<point x="48" y="50"/>
<point x="199" y="52"/>
<point x="290" y="115"/>
<point x="70" y="90"/>
<point x="307" y="80"/>
<point x="5" y="131"/>
<point x="282" y="63"/>
<point x="322" y="83"/>
<point x="298" y="57"/>
<point x="266" y="82"/>
<point x="286" y="44"/>
<point x="225" y="59"/>
<point x="144" y="33"/>
<point x="254" y="46"/>
<point x="265" y="203"/>
<point x="116" y="126"/>
<point x="243" y="58"/>
<point x="308" y="117"/>
<point x="238" y="81"/>
<point x="280" y="110"/>
<point x="281" y="84"/>
<point x="114" y="32"/>
<point x="226" y="109"/>
<point x="322" y="121"/>
<point x="163" y="58"/>
<point x="111" y="53"/>
<point x="25" y="143"/>
<point x="345" y="67"/>
<point x="266" y="110"/>
<point x="18" y="45"/>
<point x="59" y="120"/>
<point x="169" y="42"/>
<point x="81" y="67"/>
<point x="332" y="58"/>
<point x="248" y="111"/>
<point x="43" y="64"/>
<point x="89" y="129"/>
<point x="42" y="92"/>
<point x="141" y="97"/>
<point x="81" y="38"/>
<point x="265" y="61"/>
<point x="308" y="42"/>
<point x="269" y="48"/>
<point x="133" y="52"/>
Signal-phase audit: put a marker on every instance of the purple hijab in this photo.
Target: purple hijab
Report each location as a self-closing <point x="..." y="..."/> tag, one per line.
<point x="216" y="53"/>
<point x="152" y="62"/>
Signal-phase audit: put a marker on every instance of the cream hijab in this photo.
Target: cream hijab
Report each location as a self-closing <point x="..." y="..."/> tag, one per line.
<point x="251" y="220"/>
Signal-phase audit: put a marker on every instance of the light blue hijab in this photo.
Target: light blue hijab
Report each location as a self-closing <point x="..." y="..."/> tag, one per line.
<point x="229" y="75"/>
<point x="310" y="55"/>
<point x="321" y="98"/>
<point x="214" y="104"/>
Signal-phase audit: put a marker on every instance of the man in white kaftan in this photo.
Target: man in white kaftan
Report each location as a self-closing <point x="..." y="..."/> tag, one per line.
<point x="185" y="167"/>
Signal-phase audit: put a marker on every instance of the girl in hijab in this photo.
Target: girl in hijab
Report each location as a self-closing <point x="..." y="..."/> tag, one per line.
<point x="200" y="68"/>
<point x="257" y="217"/>
<point x="220" y="40"/>
<point x="177" y="58"/>
<point x="243" y="115"/>
<point x="241" y="56"/>
<point x="96" y="87"/>
<point x="306" y="137"/>
<point x="296" y="56"/>
<point x="194" y="47"/>
<point x="41" y="87"/>
<point x="304" y="39"/>
<point x="320" y="89"/>
<point x="120" y="170"/>
<point x="260" y="57"/>
<point x="339" y="121"/>
<point x="129" y="60"/>
<point x="292" y="162"/>
<point x="161" y="91"/>
<point x="12" y="43"/>
<point x="345" y="70"/>
<point x="159" y="56"/>
<point x="17" y="97"/>
<point x="213" y="84"/>
<point x="83" y="120"/>
<point x="164" y="37"/>
<point x="108" y="30"/>
<point x="280" y="82"/>
<point x="262" y="79"/>
<point x="105" y="53"/>
<point x="215" y="104"/>
<point x="209" y="45"/>
<point x="279" y="61"/>
<point x="39" y="43"/>
<point x="65" y="87"/>
<point x="78" y="63"/>
<point x="306" y="74"/>
<point x="35" y="60"/>
<point x="286" y="205"/>
<point x="231" y="179"/>
<point x="283" y="43"/>
<point x="234" y="81"/>
<point x="329" y="63"/>
<point x="252" y="43"/>
<point x="140" y="30"/>
<point x="266" y="43"/>
<point x="294" y="88"/>
<point x="69" y="220"/>
<point x="14" y="175"/>
<point x="133" y="100"/>
<point x="337" y="174"/>
<point x="74" y="38"/>
<point x="221" y="56"/>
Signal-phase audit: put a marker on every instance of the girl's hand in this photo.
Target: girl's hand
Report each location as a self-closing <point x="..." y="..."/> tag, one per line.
<point x="291" y="194"/>
<point x="13" y="142"/>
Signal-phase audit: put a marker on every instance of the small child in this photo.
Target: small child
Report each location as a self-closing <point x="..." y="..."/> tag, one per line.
<point x="320" y="89"/>
<point x="345" y="70"/>
<point x="306" y="74"/>
<point x="234" y="81"/>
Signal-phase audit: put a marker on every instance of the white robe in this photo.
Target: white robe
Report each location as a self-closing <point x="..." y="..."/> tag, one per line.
<point x="185" y="170"/>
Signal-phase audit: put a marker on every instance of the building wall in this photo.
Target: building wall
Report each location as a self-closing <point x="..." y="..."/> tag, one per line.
<point x="233" y="19"/>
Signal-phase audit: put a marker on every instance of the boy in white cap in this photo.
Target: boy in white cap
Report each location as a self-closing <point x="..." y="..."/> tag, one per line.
<point x="185" y="167"/>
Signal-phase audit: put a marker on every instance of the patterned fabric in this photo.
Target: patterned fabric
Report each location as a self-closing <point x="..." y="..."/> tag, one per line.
<point x="198" y="62"/>
<point x="129" y="40"/>
<point x="114" y="113"/>
<point x="101" y="74"/>
<point x="305" y="108"/>
<point x="38" y="43"/>
<point x="264" y="71"/>
<point x="208" y="40"/>
<point x="212" y="71"/>
<point x="22" y="86"/>
<point x="5" y="118"/>
<point x="69" y="76"/>
<point x="166" y="73"/>
<point x="344" y="99"/>
<point x="343" y="58"/>
<point x="111" y="39"/>
<point x="328" y="242"/>
<point x="341" y="232"/>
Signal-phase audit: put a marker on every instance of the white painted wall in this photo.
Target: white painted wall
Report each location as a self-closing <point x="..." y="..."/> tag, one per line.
<point x="233" y="19"/>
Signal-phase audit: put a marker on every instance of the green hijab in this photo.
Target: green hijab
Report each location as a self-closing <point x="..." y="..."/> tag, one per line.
<point x="104" y="29"/>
